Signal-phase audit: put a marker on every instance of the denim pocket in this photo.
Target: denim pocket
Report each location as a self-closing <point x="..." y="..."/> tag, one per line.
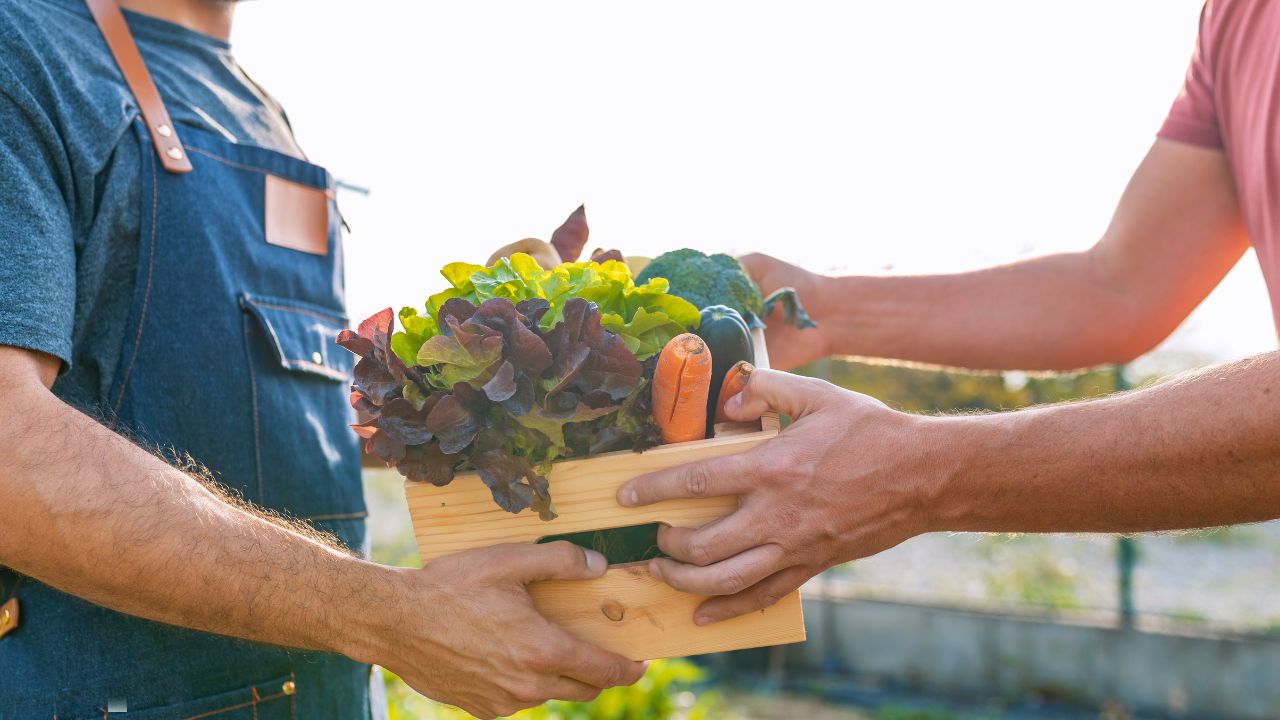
<point x="302" y="335"/>
<point x="306" y="456"/>
<point x="274" y="699"/>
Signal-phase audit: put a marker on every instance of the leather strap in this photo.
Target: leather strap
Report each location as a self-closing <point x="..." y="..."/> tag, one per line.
<point x="164" y="136"/>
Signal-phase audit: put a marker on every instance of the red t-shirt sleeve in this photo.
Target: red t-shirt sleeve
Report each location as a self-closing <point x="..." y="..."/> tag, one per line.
<point x="1194" y="115"/>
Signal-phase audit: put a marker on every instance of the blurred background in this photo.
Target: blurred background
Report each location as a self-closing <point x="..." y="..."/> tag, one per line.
<point x="846" y="137"/>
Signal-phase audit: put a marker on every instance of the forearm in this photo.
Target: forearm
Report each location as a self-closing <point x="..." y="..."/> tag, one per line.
<point x="94" y="515"/>
<point x="1197" y="451"/>
<point x="1048" y="313"/>
<point x="1175" y="233"/>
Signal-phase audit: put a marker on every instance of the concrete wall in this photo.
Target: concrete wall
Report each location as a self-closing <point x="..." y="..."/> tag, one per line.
<point x="979" y="654"/>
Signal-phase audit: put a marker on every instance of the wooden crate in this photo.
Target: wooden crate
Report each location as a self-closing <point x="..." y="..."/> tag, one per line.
<point x="626" y="610"/>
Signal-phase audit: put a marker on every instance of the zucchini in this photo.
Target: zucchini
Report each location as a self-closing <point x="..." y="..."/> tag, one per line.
<point x="729" y="340"/>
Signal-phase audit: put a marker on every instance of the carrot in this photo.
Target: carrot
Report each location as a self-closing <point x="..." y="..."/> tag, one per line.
<point x="681" y="384"/>
<point x="734" y="382"/>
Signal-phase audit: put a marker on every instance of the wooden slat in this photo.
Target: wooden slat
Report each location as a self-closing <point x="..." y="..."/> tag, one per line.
<point x="633" y="614"/>
<point x="462" y="515"/>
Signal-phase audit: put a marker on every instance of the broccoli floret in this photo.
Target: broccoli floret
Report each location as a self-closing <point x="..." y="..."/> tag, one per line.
<point x="707" y="280"/>
<point x="719" y="279"/>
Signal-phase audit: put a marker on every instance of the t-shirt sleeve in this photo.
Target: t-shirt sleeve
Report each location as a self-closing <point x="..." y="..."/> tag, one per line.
<point x="1194" y="115"/>
<point x="37" y="245"/>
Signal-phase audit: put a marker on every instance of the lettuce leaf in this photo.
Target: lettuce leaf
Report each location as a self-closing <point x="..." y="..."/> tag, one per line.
<point x="644" y="316"/>
<point x="498" y="390"/>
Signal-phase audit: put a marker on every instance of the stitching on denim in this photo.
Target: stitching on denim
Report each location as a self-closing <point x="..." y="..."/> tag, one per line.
<point x="225" y="161"/>
<point x="254" y="168"/>
<point x="253" y="389"/>
<point x="295" y="308"/>
<point x="239" y="706"/>
<point x="146" y="293"/>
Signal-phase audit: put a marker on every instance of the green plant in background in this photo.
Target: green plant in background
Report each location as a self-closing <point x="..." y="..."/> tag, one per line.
<point x="1187" y="615"/>
<point x="928" y="712"/>
<point x="1032" y="576"/>
<point x="664" y="693"/>
<point x="926" y="390"/>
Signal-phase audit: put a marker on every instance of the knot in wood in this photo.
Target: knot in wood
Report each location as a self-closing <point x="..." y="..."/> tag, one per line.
<point x="613" y="610"/>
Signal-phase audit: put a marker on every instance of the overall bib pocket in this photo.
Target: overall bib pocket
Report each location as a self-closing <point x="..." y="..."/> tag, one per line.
<point x="298" y="378"/>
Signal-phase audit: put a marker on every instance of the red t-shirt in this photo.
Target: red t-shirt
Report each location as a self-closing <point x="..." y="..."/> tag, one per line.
<point x="1231" y="101"/>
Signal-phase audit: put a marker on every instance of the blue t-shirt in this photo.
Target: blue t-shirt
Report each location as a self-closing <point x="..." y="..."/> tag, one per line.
<point x="70" y="172"/>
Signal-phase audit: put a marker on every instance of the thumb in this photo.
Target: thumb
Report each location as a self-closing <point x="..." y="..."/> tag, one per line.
<point x="553" y="561"/>
<point x="770" y="390"/>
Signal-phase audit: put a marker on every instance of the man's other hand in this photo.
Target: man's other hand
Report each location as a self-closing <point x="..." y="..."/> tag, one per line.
<point x="791" y="347"/>
<point x="468" y="634"/>
<point x="843" y="481"/>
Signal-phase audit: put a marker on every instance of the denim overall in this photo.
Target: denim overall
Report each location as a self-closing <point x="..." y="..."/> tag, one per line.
<point x="230" y="358"/>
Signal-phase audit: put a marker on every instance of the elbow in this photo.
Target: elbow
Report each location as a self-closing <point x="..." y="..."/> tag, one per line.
<point x="1099" y="340"/>
<point x="1120" y="343"/>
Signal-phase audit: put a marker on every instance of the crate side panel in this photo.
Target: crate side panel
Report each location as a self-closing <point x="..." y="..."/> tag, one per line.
<point x="630" y="612"/>
<point x="462" y="515"/>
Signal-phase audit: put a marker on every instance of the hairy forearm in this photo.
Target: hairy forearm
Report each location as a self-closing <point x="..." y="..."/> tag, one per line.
<point x="1048" y="313"/>
<point x="94" y="515"/>
<point x="1197" y="451"/>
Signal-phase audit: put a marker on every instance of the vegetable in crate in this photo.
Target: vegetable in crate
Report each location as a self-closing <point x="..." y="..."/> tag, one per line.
<point x="565" y="246"/>
<point x="512" y="368"/>
<point x="734" y="382"/>
<point x="719" y="279"/>
<point x="730" y="342"/>
<point x="570" y="238"/>
<point x="681" y="385"/>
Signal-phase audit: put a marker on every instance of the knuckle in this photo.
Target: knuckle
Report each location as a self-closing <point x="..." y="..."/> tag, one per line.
<point x="697" y="481"/>
<point x="699" y="553"/>
<point x="733" y="582"/>
<point x="541" y="659"/>
<point x="526" y="695"/>
<point x="767" y="599"/>
<point x="567" y="552"/>
<point x="611" y="675"/>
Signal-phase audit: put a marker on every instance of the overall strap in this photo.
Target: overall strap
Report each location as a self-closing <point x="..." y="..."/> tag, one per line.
<point x="164" y="136"/>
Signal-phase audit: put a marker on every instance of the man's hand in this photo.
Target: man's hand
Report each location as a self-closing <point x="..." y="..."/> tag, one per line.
<point x="850" y="477"/>
<point x="464" y="631"/>
<point x="834" y="486"/>
<point x="789" y="346"/>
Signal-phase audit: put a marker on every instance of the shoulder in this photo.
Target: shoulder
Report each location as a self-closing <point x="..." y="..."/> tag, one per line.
<point x="1223" y="18"/>
<point x="55" y="67"/>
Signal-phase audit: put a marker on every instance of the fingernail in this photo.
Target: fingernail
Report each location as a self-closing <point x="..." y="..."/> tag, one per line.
<point x="628" y="497"/>
<point x="655" y="570"/>
<point x="596" y="562"/>
<point x="701" y="620"/>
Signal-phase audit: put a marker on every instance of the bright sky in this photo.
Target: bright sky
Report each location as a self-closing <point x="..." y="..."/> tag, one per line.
<point x="842" y="136"/>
